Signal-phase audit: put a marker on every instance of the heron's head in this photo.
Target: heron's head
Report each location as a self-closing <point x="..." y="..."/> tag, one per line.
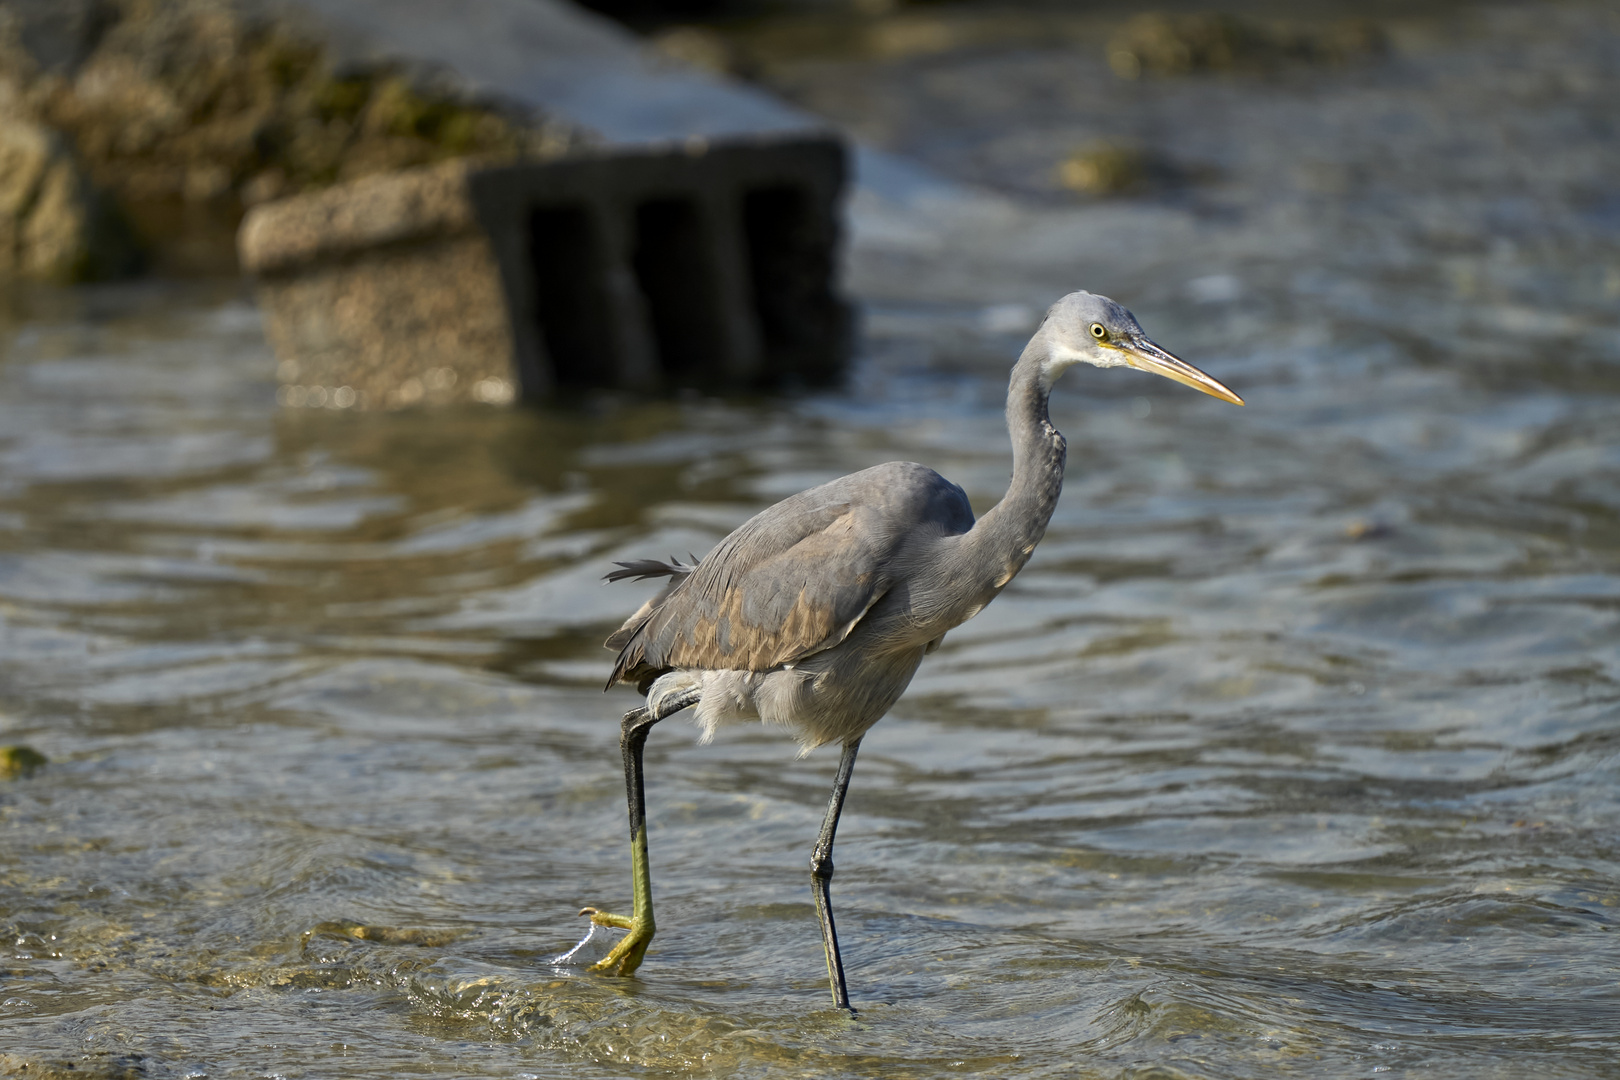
<point x="1084" y="328"/>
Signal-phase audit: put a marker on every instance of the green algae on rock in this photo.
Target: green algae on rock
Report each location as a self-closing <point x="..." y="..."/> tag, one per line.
<point x="17" y="762"/>
<point x="1210" y="41"/>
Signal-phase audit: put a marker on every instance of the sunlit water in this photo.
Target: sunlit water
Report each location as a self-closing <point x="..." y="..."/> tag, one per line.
<point x="1294" y="751"/>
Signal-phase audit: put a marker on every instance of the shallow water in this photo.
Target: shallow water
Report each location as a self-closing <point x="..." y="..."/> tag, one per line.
<point x="1293" y="751"/>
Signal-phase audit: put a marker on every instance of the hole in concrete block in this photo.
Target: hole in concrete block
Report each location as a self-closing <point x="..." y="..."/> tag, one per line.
<point x="566" y="248"/>
<point x="674" y="266"/>
<point x="790" y="258"/>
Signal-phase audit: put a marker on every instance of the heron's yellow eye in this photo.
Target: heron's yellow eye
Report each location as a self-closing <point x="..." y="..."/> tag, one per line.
<point x="1098" y="332"/>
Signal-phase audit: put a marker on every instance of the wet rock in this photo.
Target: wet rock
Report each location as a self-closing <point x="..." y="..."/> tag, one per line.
<point x="391" y="935"/>
<point x="17" y="762"/>
<point x="1362" y="529"/>
<point x="1107" y="167"/>
<point x="54" y="225"/>
<point x="1104" y="168"/>
<point x="100" y="1066"/>
<point x="1179" y="44"/>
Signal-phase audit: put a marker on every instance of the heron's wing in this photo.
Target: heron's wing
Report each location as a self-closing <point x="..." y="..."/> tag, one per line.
<point x="641" y="570"/>
<point x="795" y="579"/>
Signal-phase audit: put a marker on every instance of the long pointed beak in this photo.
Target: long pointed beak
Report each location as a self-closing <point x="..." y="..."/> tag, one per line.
<point x="1144" y="355"/>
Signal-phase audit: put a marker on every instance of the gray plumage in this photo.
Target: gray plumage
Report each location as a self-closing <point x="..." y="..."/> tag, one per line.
<point x="815" y="613"/>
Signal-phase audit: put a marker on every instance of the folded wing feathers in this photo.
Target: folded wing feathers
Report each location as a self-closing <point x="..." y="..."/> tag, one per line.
<point x="791" y="581"/>
<point x="671" y="632"/>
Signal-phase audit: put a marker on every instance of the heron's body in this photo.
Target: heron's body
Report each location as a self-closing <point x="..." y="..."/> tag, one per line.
<point x="815" y="613"/>
<point x="770" y="626"/>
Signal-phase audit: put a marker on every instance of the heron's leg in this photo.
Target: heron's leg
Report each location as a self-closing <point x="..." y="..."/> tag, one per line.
<point x="821" y="872"/>
<point x="626" y="955"/>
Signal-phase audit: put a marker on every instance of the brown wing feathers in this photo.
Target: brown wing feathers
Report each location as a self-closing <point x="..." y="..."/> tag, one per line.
<point x="792" y="581"/>
<point x="755" y="603"/>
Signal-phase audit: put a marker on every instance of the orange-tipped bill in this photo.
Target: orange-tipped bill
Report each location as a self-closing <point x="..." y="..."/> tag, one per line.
<point x="1143" y="355"/>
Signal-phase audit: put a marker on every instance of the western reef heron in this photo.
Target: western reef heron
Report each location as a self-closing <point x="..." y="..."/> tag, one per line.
<point x="815" y="613"/>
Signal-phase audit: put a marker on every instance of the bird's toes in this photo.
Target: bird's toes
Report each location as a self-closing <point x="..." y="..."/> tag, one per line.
<point x="605" y="918"/>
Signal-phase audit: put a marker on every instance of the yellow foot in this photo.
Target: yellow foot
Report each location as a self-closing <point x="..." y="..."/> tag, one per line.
<point x="602" y="918"/>
<point x="627" y="954"/>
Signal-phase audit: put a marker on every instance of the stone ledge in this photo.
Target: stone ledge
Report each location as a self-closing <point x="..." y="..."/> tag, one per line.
<point x="360" y="216"/>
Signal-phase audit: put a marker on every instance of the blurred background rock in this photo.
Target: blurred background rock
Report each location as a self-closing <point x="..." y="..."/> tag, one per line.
<point x="175" y="115"/>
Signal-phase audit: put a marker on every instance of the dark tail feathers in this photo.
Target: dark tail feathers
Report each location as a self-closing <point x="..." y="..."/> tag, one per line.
<point x="642" y="569"/>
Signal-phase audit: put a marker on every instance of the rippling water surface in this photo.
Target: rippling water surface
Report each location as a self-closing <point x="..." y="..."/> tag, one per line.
<point x="1294" y="751"/>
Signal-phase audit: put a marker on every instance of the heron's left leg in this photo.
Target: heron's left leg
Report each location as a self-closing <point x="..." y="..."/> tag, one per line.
<point x="626" y="955"/>
<point x="821" y="872"/>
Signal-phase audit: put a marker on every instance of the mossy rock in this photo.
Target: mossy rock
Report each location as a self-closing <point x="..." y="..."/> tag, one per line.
<point x="1104" y="168"/>
<point x="17" y="762"/>
<point x="1209" y="41"/>
<point x="216" y="105"/>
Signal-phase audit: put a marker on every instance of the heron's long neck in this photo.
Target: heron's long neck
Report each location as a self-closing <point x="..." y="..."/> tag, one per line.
<point x="1002" y="540"/>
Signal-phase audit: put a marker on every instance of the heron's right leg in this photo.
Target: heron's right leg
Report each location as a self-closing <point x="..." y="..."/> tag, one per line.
<point x="626" y="955"/>
<point x="821" y="872"/>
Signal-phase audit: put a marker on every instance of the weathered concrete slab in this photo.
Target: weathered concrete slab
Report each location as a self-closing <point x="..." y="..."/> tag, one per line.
<point x="694" y="243"/>
<point x="707" y="265"/>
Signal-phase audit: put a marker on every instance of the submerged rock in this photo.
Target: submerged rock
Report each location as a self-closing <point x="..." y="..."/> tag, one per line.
<point x="1104" y="168"/>
<point x="94" y="1066"/>
<point x="1211" y="41"/>
<point x="17" y="762"/>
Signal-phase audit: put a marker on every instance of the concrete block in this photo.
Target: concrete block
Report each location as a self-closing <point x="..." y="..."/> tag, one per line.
<point x="703" y="264"/>
<point x="695" y="243"/>
<point x="708" y="264"/>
